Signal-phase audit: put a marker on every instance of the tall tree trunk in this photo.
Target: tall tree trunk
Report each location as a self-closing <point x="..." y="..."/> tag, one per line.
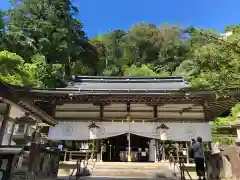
<point x="68" y="67"/>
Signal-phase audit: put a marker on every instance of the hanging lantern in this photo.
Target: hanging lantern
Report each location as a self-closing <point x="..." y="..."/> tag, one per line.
<point x="161" y="130"/>
<point x="94" y="131"/>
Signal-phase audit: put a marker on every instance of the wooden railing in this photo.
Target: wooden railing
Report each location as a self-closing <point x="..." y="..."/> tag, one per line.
<point x="183" y="170"/>
<point x="82" y="165"/>
<point x="179" y="167"/>
<point x="73" y="155"/>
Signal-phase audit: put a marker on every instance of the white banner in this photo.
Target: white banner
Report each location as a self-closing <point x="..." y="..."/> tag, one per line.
<point x="176" y="131"/>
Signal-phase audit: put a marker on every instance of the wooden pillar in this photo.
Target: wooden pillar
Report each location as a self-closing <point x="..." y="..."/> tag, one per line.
<point x="101" y="150"/>
<point x="4" y="122"/>
<point x="101" y="113"/>
<point x="178" y="147"/>
<point x="187" y="150"/>
<point x="155" y="112"/>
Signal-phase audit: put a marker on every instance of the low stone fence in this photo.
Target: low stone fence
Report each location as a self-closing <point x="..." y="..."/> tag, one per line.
<point x="45" y="166"/>
<point x="224" y="165"/>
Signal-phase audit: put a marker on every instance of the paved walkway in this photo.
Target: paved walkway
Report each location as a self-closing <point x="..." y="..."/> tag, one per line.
<point x="114" y="178"/>
<point x="121" y="171"/>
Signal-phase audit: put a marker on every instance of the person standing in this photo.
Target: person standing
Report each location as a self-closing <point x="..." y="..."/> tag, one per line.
<point x="191" y="149"/>
<point x="198" y="148"/>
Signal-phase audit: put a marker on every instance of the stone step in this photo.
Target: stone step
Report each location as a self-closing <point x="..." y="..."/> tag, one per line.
<point x="114" y="178"/>
<point x="127" y="170"/>
<point x="133" y="170"/>
<point x="128" y="167"/>
<point x="133" y="163"/>
<point x="122" y="169"/>
<point x="133" y="174"/>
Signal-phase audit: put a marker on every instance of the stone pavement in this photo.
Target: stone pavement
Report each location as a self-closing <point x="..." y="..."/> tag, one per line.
<point x="131" y="171"/>
<point x="115" y="178"/>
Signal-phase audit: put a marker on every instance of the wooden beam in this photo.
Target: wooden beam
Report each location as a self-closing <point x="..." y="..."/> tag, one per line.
<point x="123" y="98"/>
<point x="87" y="119"/>
<point x="132" y="110"/>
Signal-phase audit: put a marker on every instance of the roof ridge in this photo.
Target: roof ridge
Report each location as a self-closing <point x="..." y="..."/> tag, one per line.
<point x="127" y="78"/>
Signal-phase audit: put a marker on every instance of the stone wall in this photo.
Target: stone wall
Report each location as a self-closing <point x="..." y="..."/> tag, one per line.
<point x="46" y="166"/>
<point x="224" y="165"/>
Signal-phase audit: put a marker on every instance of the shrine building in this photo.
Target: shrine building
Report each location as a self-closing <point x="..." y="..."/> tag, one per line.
<point x="127" y="117"/>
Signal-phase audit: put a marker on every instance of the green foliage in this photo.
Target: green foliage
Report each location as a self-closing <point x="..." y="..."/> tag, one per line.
<point x="49" y="28"/>
<point x="144" y="70"/>
<point x="14" y="70"/>
<point x="225" y="121"/>
<point x="42" y="43"/>
<point x="48" y="75"/>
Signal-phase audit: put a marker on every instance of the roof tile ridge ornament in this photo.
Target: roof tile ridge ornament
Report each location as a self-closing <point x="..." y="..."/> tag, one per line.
<point x="93" y="125"/>
<point x="163" y="126"/>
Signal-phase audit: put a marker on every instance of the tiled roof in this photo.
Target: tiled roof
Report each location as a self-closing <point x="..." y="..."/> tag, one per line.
<point x="131" y="83"/>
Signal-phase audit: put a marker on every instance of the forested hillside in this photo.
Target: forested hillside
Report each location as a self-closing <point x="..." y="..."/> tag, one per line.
<point x="43" y="43"/>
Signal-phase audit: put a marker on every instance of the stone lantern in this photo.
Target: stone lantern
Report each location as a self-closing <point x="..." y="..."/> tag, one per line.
<point x="161" y="131"/>
<point x="24" y="132"/>
<point x="237" y="126"/>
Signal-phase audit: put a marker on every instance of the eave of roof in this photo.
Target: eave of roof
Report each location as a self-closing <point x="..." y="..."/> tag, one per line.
<point x="10" y="96"/>
<point x="80" y="78"/>
<point x="185" y="90"/>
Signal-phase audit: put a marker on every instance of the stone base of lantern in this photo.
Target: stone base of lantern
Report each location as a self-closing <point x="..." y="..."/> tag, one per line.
<point x="238" y="138"/>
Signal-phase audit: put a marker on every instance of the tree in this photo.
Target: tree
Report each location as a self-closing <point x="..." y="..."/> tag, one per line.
<point x="142" y="44"/>
<point x="54" y="31"/>
<point x="144" y="70"/>
<point x="223" y="121"/>
<point x="101" y="46"/>
<point x="211" y="62"/>
<point x="48" y="75"/>
<point x="173" y="50"/>
<point x="163" y="47"/>
<point x="114" y="55"/>
<point x="14" y="70"/>
<point x="2" y="30"/>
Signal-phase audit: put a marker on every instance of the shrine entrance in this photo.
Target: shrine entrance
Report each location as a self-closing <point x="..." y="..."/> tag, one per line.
<point x="115" y="148"/>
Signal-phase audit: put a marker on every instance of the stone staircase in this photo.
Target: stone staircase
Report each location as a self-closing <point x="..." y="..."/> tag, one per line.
<point x="122" y="171"/>
<point x="133" y="170"/>
<point x="125" y="170"/>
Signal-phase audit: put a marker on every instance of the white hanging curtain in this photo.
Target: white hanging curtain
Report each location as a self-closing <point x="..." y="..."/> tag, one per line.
<point x="176" y="131"/>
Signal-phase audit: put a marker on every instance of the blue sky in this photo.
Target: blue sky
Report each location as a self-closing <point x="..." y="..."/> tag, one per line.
<point x="101" y="16"/>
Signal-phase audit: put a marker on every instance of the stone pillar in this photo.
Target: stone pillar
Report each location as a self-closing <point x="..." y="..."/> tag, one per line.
<point x="34" y="153"/>
<point x="238" y="137"/>
<point x="238" y="133"/>
<point x="152" y="151"/>
<point x="12" y="133"/>
<point x="4" y="120"/>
